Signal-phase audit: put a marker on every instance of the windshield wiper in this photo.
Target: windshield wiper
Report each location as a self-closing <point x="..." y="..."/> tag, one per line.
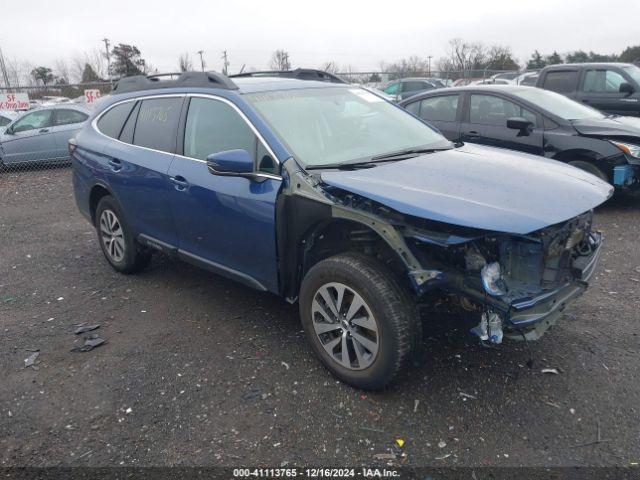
<point x="410" y="152"/>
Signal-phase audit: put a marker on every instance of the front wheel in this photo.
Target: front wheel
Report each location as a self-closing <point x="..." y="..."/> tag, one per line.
<point x="360" y="321"/>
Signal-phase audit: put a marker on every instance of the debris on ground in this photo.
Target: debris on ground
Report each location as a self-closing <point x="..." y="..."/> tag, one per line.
<point x="442" y="444"/>
<point x="415" y="405"/>
<point x="443" y="457"/>
<point x="31" y="359"/>
<point x="550" y="370"/>
<point x="89" y="344"/>
<point x="384" y="456"/>
<point x="252" y="394"/>
<point x="285" y="365"/>
<point x="466" y="395"/>
<point x="597" y="441"/>
<point x="400" y="442"/>
<point x="371" y="429"/>
<point x="86" y="328"/>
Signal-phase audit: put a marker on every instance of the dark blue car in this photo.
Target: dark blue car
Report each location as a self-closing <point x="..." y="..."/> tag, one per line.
<point x="328" y="195"/>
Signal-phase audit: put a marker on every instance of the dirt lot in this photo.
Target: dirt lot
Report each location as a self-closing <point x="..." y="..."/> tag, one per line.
<point x="199" y="370"/>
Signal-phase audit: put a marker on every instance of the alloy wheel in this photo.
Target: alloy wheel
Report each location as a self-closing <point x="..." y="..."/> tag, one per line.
<point x="112" y="235"/>
<point x="345" y="326"/>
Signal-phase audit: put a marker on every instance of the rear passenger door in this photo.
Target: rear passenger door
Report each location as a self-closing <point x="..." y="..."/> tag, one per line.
<point x="136" y="166"/>
<point x="225" y="223"/>
<point x="486" y="123"/>
<point x="441" y="111"/>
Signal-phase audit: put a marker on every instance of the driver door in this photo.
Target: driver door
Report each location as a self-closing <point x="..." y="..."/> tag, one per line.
<point x="486" y="123"/>
<point x="29" y="139"/>
<point x="224" y="223"/>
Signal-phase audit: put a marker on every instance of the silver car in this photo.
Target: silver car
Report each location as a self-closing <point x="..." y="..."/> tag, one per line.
<point x="6" y="117"/>
<point x="41" y="135"/>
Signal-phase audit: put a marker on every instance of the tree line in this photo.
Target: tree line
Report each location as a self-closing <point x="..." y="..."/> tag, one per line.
<point x="472" y="58"/>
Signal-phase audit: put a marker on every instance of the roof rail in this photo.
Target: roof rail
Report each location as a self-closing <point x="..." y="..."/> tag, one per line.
<point x="298" y="73"/>
<point x="184" y="79"/>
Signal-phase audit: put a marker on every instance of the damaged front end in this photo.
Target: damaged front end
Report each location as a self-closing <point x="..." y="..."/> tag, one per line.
<point x="524" y="280"/>
<point x="519" y="284"/>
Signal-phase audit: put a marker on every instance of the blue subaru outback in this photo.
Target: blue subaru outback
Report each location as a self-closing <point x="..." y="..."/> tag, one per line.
<point x="328" y="195"/>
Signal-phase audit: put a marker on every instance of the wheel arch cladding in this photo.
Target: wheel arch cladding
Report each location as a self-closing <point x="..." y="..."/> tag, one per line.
<point x="98" y="191"/>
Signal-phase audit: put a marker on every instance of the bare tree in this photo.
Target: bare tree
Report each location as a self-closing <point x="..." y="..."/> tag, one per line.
<point x="184" y="63"/>
<point x="280" y="61"/>
<point x="61" y="70"/>
<point x="330" y="66"/>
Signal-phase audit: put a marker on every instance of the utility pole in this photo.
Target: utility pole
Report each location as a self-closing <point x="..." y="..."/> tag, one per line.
<point x="107" y="56"/>
<point x="429" y="65"/>
<point x="225" y="62"/>
<point x="200" y="52"/>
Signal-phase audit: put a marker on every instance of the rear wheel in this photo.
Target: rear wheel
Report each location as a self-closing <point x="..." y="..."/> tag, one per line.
<point x="116" y="241"/>
<point x="591" y="168"/>
<point x="359" y="320"/>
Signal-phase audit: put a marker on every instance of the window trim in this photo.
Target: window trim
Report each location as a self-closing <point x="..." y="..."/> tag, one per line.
<point x="94" y="125"/>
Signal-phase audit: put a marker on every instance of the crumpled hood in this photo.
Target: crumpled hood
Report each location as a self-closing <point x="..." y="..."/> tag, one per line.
<point x="610" y="126"/>
<point x="479" y="187"/>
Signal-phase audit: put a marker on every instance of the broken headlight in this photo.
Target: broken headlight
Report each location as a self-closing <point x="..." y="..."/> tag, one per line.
<point x="492" y="280"/>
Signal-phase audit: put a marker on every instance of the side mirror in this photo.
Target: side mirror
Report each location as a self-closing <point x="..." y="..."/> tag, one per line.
<point x="626" y="88"/>
<point x="522" y="124"/>
<point x="231" y="163"/>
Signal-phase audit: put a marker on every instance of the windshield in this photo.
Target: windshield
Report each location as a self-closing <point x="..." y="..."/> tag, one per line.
<point x="557" y="104"/>
<point x="633" y="72"/>
<point x="330" y="126"/>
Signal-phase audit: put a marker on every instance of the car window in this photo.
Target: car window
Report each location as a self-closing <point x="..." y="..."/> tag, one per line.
<point x="392" y="89"/>
<point x="333" y="125"/>
<point x="413" y="108"/>
<point x="562" y="82"/>
<point x="442" y="108"/>
<point x="111" y="122"/>
<point x="212" y="127"/>
<point x="414" y="86"/>
<point x="602" y="81"/>
<point x="491" y="110"/>
<point x="34" y="120"/>
<point x="157" y="124"/>
<point x="633" y="72"/>
<point x="67" y="117"/>
<point x="4" y="121"/>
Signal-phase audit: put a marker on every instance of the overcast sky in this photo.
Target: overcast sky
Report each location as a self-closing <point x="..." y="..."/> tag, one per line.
<point x="360" y="34"/>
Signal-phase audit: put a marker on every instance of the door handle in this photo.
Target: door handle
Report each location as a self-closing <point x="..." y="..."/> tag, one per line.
<point x="43" y="130"/>
<point x="116" y="164"/>
<point x="472" y="135"/>
<point x="180" y="183"/>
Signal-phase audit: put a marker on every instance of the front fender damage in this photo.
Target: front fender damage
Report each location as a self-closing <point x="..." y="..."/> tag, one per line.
<point x="540" y="272"/>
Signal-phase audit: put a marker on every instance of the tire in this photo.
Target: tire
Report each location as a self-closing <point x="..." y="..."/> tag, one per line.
<point x="116" y="240"/>
<point x="387" y="329"/>
<point x="590" y="168"/>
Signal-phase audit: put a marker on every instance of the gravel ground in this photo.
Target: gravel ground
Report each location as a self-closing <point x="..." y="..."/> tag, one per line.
<point x="199" y="370"/>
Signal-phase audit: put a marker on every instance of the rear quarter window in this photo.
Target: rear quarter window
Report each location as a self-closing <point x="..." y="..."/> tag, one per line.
<point x="157" y="124"/>
<point x="562" y="82"/>
<point x="111" y="122"/>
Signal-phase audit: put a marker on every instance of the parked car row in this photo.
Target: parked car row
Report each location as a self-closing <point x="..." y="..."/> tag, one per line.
<point x="329" y="196"/>
<point x="40" y="135"/>
<point x="538" y="122"/>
